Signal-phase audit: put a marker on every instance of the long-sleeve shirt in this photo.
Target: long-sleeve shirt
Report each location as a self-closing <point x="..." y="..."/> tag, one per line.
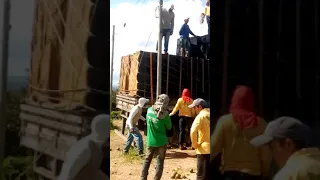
<point x="207" y="11"/>
<point x="200" y="132"/>
<point x="183" y="108"/>
<point x="237" y="153"/>
<point x="167" y="19"/>
<point x="156" y="129"/>
<point x="304" y="165"/>
<point x="185" y="31"/>
<point x="134" y="116"/>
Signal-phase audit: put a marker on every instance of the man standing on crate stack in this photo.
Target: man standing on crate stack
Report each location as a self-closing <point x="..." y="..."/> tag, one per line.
<point x="184" y="37"/>
<point x="167" y="26"/>
<point x="133" y="131"/>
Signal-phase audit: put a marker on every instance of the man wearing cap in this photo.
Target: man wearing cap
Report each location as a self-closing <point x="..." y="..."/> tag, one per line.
<point x="288" y="139"/>
<point x="133" y="131"/>
<point x="200" y="137"/>
<point x="167" y="26"/>
<point x="184" y="36"/>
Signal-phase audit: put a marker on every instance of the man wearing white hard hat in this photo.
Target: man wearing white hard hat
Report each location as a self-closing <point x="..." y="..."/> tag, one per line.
<point x="133" y="131"/>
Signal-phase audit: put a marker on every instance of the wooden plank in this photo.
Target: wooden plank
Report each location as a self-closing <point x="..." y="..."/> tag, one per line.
<point x="69" y="118"/>
<point x="44" y="147"/>
<point x="44" y="172"/>
<point x="51" y="123"/>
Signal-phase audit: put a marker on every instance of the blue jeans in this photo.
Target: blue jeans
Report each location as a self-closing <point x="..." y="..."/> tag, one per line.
<point x="137" y="136"/>
<point x="166" y="35"/>
<point x="161" y="154"/>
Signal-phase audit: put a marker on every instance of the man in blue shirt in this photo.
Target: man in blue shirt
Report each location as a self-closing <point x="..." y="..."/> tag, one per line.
<point x="184" y="37"/>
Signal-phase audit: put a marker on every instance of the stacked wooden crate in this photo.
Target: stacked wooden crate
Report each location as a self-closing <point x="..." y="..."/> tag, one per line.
<point x="138" y="76"/>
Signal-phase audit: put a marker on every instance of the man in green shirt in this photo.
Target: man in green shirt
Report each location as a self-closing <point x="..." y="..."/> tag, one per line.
<point x="158" y="122"/>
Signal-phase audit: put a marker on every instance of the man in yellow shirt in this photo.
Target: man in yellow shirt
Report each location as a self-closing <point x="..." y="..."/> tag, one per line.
<point x="288" y="139"/>
<point x="185" y="115"/>
<point x="206" y="15"/>
<point x="200" y="137"/>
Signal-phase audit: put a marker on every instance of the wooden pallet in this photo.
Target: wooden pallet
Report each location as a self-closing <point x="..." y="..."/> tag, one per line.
<point x="50" y="133"/>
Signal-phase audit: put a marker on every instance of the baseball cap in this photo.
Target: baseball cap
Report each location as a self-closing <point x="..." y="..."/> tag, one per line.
<point x="282" y="127"/>
<point x="198" y="102"/>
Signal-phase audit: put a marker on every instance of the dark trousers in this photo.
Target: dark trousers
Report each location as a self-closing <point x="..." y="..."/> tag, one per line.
<point x="235" y="175"/>
<point x="160" y="152"/>
<point x="203" y="166"/>
<point x="208" y="22"/>
<point x="182" y="126"/>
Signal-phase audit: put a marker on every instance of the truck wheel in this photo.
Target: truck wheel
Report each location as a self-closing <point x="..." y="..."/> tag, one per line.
<point x="98" y="79"/>
<point x="98" y="53"/>
<point x="98" y="101"/>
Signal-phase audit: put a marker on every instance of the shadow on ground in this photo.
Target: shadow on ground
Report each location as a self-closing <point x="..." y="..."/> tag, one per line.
<point x="178" y="155"/>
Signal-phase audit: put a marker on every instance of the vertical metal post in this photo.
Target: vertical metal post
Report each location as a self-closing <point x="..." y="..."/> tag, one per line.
<point x="111" y="66"/>
<point x="3" y="78"/>
<point x="159" y="57"/>
<point x="279" y="31"/>
<point x="298" y="49"/>
<point x="225" y="57"/>
<point x="261" y="57"/>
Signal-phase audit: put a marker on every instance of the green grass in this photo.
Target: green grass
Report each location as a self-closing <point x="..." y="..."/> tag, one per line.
<point x="112" y="126"/>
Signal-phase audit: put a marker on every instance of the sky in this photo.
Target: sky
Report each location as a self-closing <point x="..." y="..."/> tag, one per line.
<point x="21" y="19"/>
<point x="139" y="16"/>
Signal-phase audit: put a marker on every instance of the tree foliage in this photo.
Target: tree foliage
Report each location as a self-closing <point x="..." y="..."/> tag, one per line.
<point x="17" y="159"/>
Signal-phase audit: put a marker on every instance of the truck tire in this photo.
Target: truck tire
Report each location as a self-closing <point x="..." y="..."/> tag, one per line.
<point x="98" y="53"/>
<point x="98" y="101"/>
<point x="98" y="79"/>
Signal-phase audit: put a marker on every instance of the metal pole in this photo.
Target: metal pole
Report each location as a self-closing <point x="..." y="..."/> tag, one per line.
<point x="261" y="51"/>
<point x="3" y="78"/>
<point x="111" y="66"/>
<point x="159" y="57"/>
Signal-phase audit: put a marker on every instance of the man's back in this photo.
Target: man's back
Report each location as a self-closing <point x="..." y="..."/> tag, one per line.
<point x="156" y="129"/>
<point x="167" y="19"/>
<point x="304" y="164"/>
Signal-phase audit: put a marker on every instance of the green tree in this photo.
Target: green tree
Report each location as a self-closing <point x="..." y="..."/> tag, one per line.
<point x="17" y="159"/>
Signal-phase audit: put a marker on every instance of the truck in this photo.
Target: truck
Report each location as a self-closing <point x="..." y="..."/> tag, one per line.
<point x="64" y="91"/>
<point x="138" y="78"/>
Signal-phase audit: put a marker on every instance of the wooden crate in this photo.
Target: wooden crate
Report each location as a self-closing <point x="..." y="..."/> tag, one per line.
<point x="50" y="133"/>
<point x="138" y="75"/>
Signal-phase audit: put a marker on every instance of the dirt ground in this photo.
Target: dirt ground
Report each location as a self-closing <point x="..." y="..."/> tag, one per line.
<point x="130" y="166"/>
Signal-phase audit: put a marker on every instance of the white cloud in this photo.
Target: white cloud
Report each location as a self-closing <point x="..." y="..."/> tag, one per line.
<point x="140" y="22"/>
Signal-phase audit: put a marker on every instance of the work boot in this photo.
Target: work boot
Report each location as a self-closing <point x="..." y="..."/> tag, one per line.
<point x="182" y="147"/>
<point x="141" y="154"/>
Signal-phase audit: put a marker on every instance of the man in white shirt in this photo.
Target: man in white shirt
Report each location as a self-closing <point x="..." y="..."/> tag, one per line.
<point x="84" y="158"/>
<point x="133" y="131"/>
